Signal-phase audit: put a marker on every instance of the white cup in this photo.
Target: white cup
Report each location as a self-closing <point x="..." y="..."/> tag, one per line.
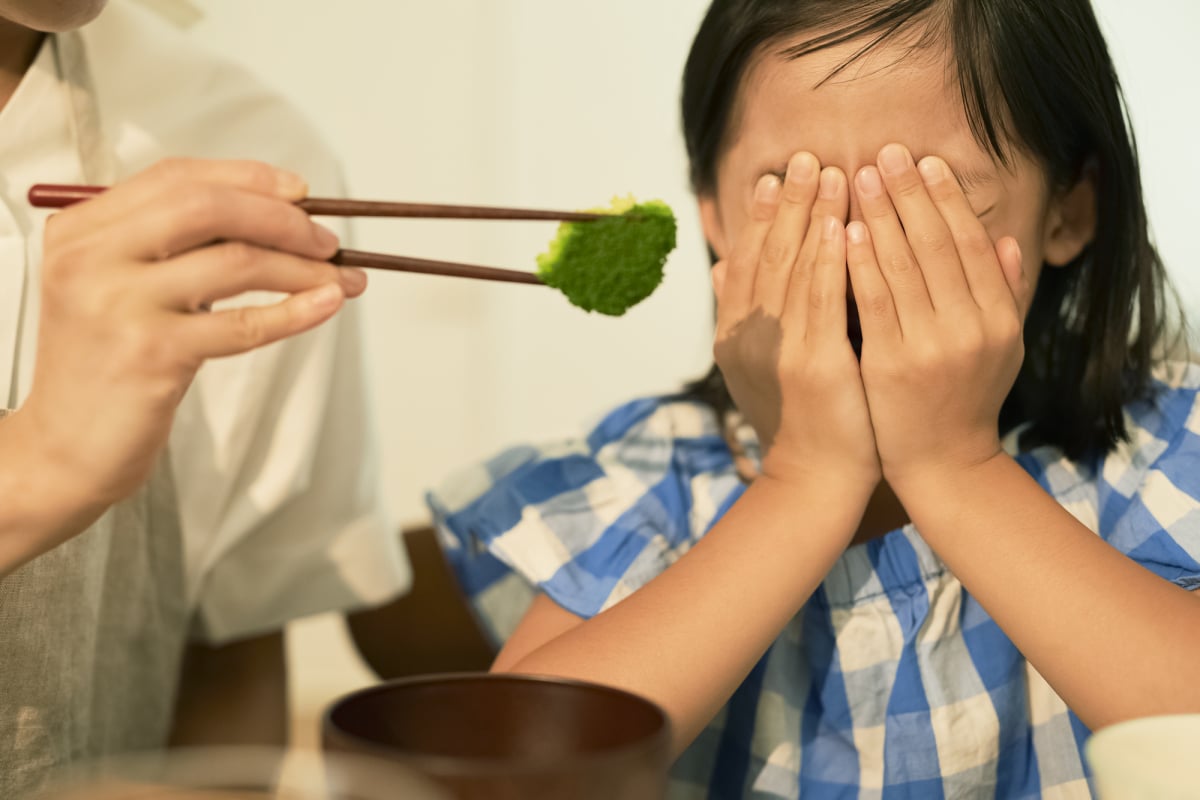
<point x="1157" y="758"/>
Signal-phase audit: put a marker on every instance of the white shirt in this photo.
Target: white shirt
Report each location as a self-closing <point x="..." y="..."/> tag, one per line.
<point x="264" y="507"/>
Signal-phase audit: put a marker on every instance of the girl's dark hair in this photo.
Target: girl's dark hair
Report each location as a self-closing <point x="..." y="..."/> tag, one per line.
<point x="1035" y="76"/>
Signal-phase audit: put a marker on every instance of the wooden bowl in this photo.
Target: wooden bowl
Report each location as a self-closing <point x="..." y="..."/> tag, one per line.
<point x="503" y="737"/>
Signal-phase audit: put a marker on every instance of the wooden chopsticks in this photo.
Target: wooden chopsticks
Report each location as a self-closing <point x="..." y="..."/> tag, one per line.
<point x="45" y="195"/>
<point x="363" y="258"/>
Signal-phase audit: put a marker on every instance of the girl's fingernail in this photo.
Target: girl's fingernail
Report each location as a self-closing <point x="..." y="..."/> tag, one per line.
<point x="856" y="232"/>
<point x="932" y="170"/>
<point x="767" y="190"/>
<point x="802" y="167"/>
<point x="327" y="297"/>
<point x="895" y="159"/>
<point x="869" y="182"/>
<point x="831" y="183"/>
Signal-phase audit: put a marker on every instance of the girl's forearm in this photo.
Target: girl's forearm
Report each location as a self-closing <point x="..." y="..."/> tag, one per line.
<point x="39" y="506"/>
<point x="689" y="637"/>
<point x="1113" y="639"/>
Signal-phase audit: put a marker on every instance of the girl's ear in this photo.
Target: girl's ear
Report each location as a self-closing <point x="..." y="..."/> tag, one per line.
<point x="710" y="222"/>
<point x="1071" y="221"/>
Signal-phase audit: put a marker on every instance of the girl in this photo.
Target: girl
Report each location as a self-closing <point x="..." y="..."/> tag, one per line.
<point x="959" y="551"/>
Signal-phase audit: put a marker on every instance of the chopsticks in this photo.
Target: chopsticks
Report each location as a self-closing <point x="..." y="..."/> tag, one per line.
<point x="45" y="195"/>
<point x="363" y="258"/>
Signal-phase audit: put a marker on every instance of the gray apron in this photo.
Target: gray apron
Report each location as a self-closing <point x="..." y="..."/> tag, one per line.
<point x="91" y="633"/>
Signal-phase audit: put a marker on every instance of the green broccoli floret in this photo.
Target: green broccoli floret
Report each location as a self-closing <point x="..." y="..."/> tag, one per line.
<point x="611" y="265"/>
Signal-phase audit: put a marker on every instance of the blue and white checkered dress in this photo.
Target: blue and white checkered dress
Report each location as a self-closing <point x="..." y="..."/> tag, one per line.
<point x="892" y="681"/>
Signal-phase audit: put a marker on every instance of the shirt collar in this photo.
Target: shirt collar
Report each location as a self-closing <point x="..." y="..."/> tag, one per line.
<point x="36" y="109"/>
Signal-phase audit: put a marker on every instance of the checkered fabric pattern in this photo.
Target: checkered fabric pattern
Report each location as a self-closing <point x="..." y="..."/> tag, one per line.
<point x="892" y="682"/>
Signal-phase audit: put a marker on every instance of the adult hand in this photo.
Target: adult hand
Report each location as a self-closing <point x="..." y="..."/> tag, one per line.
<point x="782" y="341"/>
<point x="941" y="308"/>
<point x="127" y="281"/>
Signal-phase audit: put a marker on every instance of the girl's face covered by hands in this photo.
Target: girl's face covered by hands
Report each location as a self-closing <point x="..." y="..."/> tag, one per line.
<point x="870" y="178"/>
<point x="894" y="94"/>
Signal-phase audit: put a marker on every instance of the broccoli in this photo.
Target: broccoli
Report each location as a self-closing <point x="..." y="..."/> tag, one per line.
<point x="610" y="265"/>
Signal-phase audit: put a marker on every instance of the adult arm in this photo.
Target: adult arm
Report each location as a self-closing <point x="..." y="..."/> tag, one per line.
<point x="127" y="279"/>
<point x="43" y="505"/>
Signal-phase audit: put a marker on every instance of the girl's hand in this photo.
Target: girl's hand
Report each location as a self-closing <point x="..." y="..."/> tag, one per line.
<point x="941" y="309"/>
<point x="127" y="281"/>
<point x="781" y="338"/>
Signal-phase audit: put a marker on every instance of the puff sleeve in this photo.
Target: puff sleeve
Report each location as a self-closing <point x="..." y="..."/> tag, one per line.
<point x="591" y="520"/>
<point x="1149" y="502"/>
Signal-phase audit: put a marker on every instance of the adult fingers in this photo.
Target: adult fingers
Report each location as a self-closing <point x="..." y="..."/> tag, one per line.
<point x="238" y="330"/>
<point x="201" y="277"/>
<point x="190" y="215"/>
<point x="115" y="204"/>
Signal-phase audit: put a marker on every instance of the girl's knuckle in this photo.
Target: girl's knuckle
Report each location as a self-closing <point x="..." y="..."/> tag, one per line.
<point x="1008" y="328"/>
<point x="820" y="299"/>
<point x="935" y="242"/>
<point x="879" y="307"/>
<point x="899" y="264"/>
<point x="773" y="253"/>
<point x="967" y="346"/>
<point x="825" y="367"/>
<point x="907" y="187"/>
<point x="877" y="211"/>
<point x="928" y="357"/>
<point x="973" y="242"/>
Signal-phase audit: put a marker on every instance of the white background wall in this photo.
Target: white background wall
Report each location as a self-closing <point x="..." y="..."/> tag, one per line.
<point x="1154" y="44"/>
<point x="542" y="103"/>
<point x="539" y="103"/>
<point x="563" y="103"/>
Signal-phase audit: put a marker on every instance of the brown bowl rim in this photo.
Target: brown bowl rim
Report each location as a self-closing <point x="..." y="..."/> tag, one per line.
<point x="450" y="765"/>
